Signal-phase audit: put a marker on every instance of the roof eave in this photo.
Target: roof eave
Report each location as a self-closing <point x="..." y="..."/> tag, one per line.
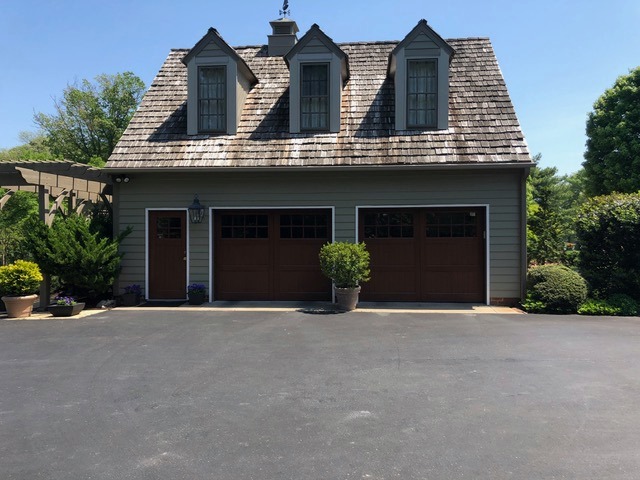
<point x="430" y="166"/>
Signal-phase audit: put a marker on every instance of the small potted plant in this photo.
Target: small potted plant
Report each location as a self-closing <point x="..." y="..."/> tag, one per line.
<point x="196" y="293"/>
<point x="347" y="265"/>
<point x="131" y="296"/>
<point x="65" y="307"/>
<point x="19" y="282"/>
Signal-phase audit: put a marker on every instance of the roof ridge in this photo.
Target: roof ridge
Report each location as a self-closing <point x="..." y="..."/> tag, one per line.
<point x="359" y="42"/>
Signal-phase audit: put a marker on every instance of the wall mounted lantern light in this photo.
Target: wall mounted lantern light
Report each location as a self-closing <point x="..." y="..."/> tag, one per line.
<point x="196" y="211"/>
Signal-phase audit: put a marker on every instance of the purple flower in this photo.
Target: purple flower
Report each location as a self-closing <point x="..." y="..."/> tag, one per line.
<point x="196" y="288"/>
<point x="66" y="301"/>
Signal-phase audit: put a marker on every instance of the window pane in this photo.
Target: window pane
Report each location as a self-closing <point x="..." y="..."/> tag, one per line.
<point x="212" y="99"/>
<point x="422" y="90"/>
<point x="314" y="97"/>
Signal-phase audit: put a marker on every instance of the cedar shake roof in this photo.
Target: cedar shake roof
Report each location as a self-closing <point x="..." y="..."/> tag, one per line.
<point x="483" y="127"/>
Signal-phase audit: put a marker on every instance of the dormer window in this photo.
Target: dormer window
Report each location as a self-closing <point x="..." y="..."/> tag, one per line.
<point x="422" y="94"/>
<point x="314" y="97"/>
<point x="318" y="72"/>
<point x="218" y="82"/>
<point x="212" y="99"/>
<point x="419" y="66"/>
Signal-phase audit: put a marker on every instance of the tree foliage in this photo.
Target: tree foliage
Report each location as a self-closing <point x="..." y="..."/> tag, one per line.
<point x="608" y="229"/>
<point x="551" y="204"/>
<point x="86" y="263"/>
<point x="90" y="118"/>
<point x="34" y="147"/>
<point x="16" y="211"/>
<point x="612" y="159"/>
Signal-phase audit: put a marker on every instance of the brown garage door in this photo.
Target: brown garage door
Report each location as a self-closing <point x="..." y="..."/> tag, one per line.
<point x="270" y="254"/>
<point x="431" y="255"/>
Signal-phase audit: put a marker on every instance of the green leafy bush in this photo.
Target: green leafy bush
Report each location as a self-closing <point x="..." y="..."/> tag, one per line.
<point x="86" y="263"/>
<point x="558" y="288"/>
<point x="617" y="304"/>
<point x="608" y="229"/>
<point x="533" y="306"/>
<point x="347" y="264"/>
<point x="20" y="278"/>
<point x="597" y="307"/>
<point x="626" y="305"/>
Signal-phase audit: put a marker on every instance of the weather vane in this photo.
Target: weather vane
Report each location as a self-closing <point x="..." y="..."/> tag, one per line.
<point x="285" y="9"/>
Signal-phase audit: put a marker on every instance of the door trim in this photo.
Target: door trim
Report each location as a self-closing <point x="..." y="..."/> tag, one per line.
<point x="487" y="266"/>
<point x="146" y="248"/>
<point x="280" y="207"/>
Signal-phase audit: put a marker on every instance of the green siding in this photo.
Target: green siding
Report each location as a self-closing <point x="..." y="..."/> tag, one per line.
<point x="344" y="190"/>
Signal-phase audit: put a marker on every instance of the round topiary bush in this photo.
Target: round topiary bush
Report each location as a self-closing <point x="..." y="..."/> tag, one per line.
<point x="20" y="278"/>
<point x="555" y="289"/>
<point x="346" y="264"/>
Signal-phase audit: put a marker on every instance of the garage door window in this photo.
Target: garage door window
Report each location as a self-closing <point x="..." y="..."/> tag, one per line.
<point x="451" y="224"/>
<point x="388" y="225"/>
<point x="303" y="226"/>
<point x="244" y="226"/>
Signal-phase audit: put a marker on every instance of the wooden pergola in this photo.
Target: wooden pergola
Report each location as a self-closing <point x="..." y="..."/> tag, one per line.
<point x="62" y="187"/>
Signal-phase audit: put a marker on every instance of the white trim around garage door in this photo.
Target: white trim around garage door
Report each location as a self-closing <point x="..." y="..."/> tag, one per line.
<point x="487" y="266"/>
<point x="146" y="247"/>
<point x="288" y="207"/>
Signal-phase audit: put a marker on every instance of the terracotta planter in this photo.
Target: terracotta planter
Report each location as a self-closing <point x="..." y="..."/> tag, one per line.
<point x="65" y="310"/>
<point x="19" y="307"/>
<point x="347" y="298"/>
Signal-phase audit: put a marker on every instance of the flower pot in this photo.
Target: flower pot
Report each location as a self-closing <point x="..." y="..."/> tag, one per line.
<point x="130" y="299"/>
<point x="19" y="307"/>
<point x="347" y="298"/>
<point x="65" y="310"/>
<point x="196" y="298"/>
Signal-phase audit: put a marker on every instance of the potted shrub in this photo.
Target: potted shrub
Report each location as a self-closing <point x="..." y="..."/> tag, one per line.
<point x="65" y="307"/>
<point x="19" y="282"/>
<point x="347" y="265"/>
<point x="131" y="296"/>
<point x="196" y="293"/>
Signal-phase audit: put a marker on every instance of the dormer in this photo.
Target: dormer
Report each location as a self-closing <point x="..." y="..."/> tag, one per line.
<point x="318" y="71"/>
<point x="419" y="66"/>
<point x="218" y="82"/>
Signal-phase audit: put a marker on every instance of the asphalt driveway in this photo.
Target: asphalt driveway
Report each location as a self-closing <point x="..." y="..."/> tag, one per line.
<point x="156" y="394"/>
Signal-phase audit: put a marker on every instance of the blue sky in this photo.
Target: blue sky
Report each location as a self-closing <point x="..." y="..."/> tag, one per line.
<point x="557" y="56"/>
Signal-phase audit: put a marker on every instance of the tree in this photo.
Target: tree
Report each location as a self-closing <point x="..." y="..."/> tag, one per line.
<point x="20" y="206"/>
<point x="34" y="147"/>
<point x="547" y="224"/>
<point x="91" y="117"/>
<point x="612" y="159"/>
<point x="85" y="262"/>
<point x="608" y="230"/>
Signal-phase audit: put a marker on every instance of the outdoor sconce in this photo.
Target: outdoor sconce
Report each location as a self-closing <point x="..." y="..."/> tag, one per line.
<point x="122" y="179"/>
<point x="196" y="211"/>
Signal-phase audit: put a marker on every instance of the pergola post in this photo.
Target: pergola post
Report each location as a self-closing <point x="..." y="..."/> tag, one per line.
<point x="43" y="212"/>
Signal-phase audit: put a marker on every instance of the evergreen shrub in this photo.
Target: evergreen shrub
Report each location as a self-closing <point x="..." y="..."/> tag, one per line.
<point x="608" y="230"/>
<point x="554" y="289"/>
